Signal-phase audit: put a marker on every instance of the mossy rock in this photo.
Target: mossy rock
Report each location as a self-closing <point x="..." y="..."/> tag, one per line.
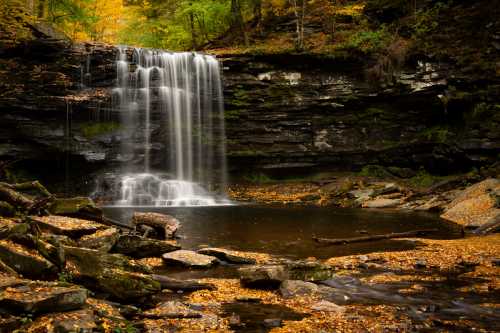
<point x="72" y="206"/>
<point x="127" y="285"/>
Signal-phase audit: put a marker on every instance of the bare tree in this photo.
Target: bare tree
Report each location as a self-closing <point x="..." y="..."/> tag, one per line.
<point x="299" y="9"/>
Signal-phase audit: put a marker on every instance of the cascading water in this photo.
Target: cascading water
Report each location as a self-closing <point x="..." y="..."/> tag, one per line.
<point x="177" y="98"/>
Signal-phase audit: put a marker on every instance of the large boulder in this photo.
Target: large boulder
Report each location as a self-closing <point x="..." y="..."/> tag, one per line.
<point x="476" y="206"/>
<point x="102" y="240"/>
<point x="26" y="261"/>
<point x="164" y="226"/>
<point x="141" y="247"/>
<point x="68" y="226"/>
<point x="229" y="256"/>
<point x="265" y="276"/>
<point x="42" y="297"/>
<point x="189" y="259"/>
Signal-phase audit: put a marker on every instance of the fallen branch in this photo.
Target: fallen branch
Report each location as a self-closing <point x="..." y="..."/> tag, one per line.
<point x="335" y="241"/>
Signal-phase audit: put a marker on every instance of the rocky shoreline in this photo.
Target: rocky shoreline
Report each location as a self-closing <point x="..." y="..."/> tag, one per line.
<point x="62" y="273"/>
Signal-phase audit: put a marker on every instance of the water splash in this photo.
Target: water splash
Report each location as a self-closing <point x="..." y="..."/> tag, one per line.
<point x="174" y="99"/>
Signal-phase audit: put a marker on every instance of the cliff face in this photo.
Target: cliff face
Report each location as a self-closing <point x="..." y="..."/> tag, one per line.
<point x="284" y="114"/>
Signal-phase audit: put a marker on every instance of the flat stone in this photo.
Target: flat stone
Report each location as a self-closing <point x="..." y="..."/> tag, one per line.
<point x="26" y="261"/>
<point x="227" y="255"/>
<point x="171" y="309"/>
<point x="476" y="205"/>
<point x="68" y="226"/>
<point x="265" y="276"/>
<point x="325" y="306"/>
<point x="102" y="240"/>
<point x="381" y="203"/>
<point x="81" y="321"/>
<point x="165" y="226"/>
<point x="189" y="259"/>
<point x="292" y="288"/>
<point x="41" y="297"/>
<point x="140" y="247"/>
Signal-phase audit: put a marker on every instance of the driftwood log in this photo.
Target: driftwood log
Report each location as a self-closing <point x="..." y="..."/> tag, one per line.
<point x="337" y="241"/>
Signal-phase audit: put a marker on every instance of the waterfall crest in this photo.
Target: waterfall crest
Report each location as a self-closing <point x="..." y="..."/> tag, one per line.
<point x="170" y="104"/>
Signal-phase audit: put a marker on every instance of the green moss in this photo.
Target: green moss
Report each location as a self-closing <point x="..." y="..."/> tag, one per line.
<point x="232" y="114"/>
<point x="258" y="178"/>
<point x="425" y="179"/>
<point x="437" y="133"/>
<point x="376" y="171"/>
<point x="95" y="129"/>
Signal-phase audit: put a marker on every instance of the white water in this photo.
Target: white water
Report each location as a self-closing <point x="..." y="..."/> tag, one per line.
<point x="173" y="100"/>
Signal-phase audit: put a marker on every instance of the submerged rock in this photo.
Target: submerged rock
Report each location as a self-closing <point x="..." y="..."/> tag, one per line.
<point x="102" y="240"/>
<point x="141" y="247"/>
<point x="266" y="276"/>
<point x="68" y="226"/>
<point x="42" y="297"/>
<point x="227" y="255"/>
<point x="189" y="259"/>
<point x="164" y="226"/>
<point x="26" y="261"/>
<point x="292" y="288"/>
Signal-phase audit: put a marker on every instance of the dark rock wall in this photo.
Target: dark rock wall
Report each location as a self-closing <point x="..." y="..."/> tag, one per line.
<point x="284" y="114"/>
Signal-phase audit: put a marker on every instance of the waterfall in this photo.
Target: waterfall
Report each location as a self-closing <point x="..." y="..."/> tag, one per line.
<point x="172" y="119"/>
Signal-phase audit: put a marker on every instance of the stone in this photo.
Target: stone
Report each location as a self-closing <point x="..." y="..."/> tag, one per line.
<point x="265" y="276"/>
<point x="229" y="256"/>
<point x="101" y="240"/>
<point x="78" y="207"/>
<point x="325" y="306"/>
<point x="80" y="321"/>
<point x="165" y="226"/>
<point x="140" y="247"/>
<point x="41" y="297"/>
<point x="26" y="261"/>
<point x="381" y="203"/>
<point x="9" y="323"/>
<point x="292" y="288"/>
<point x="362" y="195"/>
<point x="126" y="285"/>
<point x="272" y="322"/>
<point x="189" y="259"/>
<point x="171" y="310"/>
<point x="68" y="226"/>
<point x="476" y="205"/>
<point x="183" y="285"/>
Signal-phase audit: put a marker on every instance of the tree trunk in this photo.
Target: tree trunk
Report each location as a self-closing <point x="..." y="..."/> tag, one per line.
<point x="237" y="23"/>
<point x="41" y="8"/>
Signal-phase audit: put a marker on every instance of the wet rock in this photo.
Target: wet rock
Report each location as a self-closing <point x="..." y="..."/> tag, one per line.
<point x="265" y="276"/>
<point x="57" y="240"/>
<point x="165" y="226"/>
<point x="140" y="247"/>
<point x="325" y="306"/>
<point x="272" y="322"/>
<point x="83" y="207"/>
<point x="42" y="297"/>
<point x="62" y="225"/>
<point x="420" y="264"/>
<point x="362" y="195"/>
<point x="381" y="203"/>
<point x="26" y="261"/>
<point x="476" y="205"/>
<point x="125" y="285"/>
<point x="80" y="321"/>
<point x="308" y="270"/>
<point x="227" y="255"/>
<point x="102" y="240"/>
<point x="171" y="309"/>
<point x="9" y="228"/>
<point x="184" y="285"/>
<point x="292" y="288"/>
<point x="387" y="189"/>
<point x="189" y="259"/>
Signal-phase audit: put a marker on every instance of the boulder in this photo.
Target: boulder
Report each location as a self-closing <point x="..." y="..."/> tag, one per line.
<point x="189" y="259"/>
<point x="265" y="276"/>
<point x="26" y="261"/>
<point x="68" y="226"/>
<point x="381" y="203"/>
<point x="164" y="226"/>
<point x="292" y="288"/>
<point x="171" y="309"/>
<point x="102" y="240"/>
<point x="229" y="256"/>
<point x="141" y="247"/>
<point x="125" y="285"/>
<point x="79" y="207"/>
<point x="81" y="321"/>
<point x="42" y="297"/>
<point x="90" y="263"/>
<point x="476" y="205"/>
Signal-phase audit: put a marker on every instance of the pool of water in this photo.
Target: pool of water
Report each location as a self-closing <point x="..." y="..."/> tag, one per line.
<point x="288" y="231"/>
